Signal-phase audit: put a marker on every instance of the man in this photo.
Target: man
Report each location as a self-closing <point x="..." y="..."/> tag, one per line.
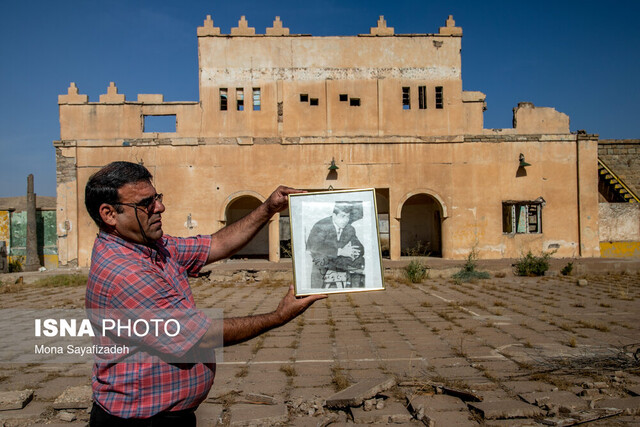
<point x="134" y="266"/>
<point x="336" y="252"/>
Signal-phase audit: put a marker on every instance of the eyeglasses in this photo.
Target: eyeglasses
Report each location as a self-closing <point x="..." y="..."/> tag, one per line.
<point x="149" y="204"/>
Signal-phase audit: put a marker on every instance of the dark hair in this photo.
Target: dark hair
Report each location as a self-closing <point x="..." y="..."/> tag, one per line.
<point x="103" y="186"/>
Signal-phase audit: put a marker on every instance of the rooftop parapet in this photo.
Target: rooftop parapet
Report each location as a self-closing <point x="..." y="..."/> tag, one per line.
<point x="450" y="28"/>
<point x="112" y="96"/>
<point x="382" y="29"/>
<point x="72" y="96"/>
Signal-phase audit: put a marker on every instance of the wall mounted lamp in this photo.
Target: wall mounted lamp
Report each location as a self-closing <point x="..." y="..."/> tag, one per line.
<point x="332" y="166"/>
<point x="523" y="163"/>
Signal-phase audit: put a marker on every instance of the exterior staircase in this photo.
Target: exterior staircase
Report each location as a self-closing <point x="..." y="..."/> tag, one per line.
<point x="613" y="187"/>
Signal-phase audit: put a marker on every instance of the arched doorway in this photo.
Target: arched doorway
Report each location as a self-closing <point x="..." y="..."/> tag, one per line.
<point x="258" y="247"/>
<point x="421" y="226"/>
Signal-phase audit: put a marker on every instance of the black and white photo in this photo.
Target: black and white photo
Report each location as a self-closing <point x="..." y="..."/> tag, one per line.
<point x="335" y="240"/>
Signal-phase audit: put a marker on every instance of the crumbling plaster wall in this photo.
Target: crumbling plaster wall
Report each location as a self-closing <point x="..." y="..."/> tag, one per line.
<point x="620" y="230"/>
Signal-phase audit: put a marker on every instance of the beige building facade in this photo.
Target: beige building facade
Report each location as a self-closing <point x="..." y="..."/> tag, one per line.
<point x="388" y="109"/>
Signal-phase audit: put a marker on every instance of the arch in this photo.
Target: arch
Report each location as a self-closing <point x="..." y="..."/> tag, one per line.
<point x="420" y="215"/>
<point x="232" y="197"/>
<point x="426" y="191"/>
<point x="238" y="207"/>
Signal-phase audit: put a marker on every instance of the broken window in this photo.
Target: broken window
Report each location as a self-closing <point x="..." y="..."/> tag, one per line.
<point x="439" y="98"/>
<point x="344" y="97"/>
<point x="304" y="97"/>
<point x="223" y="99"/>
<point x="406" y="98"/>
<point x="313" y="101"/>
<point x="422" y="97"/>
<point x="164" y="123"/>
<point x="256" y="99"/>
<point x="354" y="102"/>
<point x="522" y="217"/>
<point x="240" y="99"/>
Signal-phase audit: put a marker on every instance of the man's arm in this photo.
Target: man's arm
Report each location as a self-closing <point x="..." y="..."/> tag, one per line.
<point x="234" y="237"/>
<point x="239" y="329"/>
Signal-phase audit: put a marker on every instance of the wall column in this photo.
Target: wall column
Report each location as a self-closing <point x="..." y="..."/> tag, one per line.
<point x="445" y="237"/>
<point x="394" y="228"/>
<point x="32" y="262"/>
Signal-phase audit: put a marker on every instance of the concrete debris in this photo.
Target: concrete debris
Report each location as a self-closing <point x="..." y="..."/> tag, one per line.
<point x="248" y="415"/>
<point x="393" y="413"/>
<point x="506" y="409"/>
<point x="74" y="398"/>
<point x="15" y="399"/>
<point x="66" y="416"/>
<point x="630" y="405"/>
<point x="556" y="401"/>
<point x="356" y="394"/>
<point x="262" y="399"/>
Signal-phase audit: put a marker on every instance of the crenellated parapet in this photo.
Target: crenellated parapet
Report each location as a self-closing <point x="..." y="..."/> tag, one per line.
<point x="277" y="29"/>
<point x="112" y="96"/>
<point x="382" y="29"/>
<point x="72" y="96"/>
<point x="450" y="28"/>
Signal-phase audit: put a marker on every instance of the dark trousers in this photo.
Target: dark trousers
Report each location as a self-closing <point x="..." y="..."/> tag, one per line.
<point x="101" y="418"/>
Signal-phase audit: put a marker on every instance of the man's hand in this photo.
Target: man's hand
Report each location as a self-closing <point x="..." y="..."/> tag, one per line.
<point x="291" y="306"/>
<point x="350" y="251"/>
<point x="278" y="200"/>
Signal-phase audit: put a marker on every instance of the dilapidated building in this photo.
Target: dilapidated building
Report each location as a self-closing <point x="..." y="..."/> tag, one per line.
<point x="388" y="110"/>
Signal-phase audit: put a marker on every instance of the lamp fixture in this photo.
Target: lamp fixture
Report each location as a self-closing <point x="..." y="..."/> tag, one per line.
<point x="333" y="166"/>
<point x="523" y="163"/>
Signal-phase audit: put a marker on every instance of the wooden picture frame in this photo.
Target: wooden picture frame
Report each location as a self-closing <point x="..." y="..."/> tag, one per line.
<point x="335" y="241"/>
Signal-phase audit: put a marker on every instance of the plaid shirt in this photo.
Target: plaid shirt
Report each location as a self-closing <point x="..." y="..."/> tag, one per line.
<point x="131" y="276"/>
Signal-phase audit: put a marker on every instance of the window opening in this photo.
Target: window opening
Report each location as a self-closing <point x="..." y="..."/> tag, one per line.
<point x="439" y="98"/>
<point x="354" y="102"/>
<point x="422" y="97"/>
<point x="313" y="101"/>
<point x="223" y="99"/>
<point x="344" y="97"/>
<point x="406" y="98"/>
<point x="240" y="99"/>
<point x="522" y="217"/>
<point x="164" y="123"/>
<point x="256" y="99"/>
<point x="304" y="97"/>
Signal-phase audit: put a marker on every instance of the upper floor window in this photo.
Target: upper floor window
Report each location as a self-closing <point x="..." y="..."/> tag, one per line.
<point x="439" y="97"/>
<point x="240" y="99"/>
<point x="422" y="97"/>
<point x="354" y="102"/>
<point x="223" y="99"/>
<point x="256" y="99"/>
<point x="406" y="98"/>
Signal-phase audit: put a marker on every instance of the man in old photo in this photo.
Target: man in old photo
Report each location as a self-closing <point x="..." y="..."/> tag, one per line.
<point x="336" y="252"/>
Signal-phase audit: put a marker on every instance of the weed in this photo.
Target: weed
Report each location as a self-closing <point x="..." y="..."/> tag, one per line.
<point x="567" y="269"/>
<point x="499" y="303"/>
<point x="15" y="264"/>
<point x="416" y="271"/>
<point x="62" y="281"/>
<point x="289" y="370"/>
<point x="597" y="326"/>
<point x="426" y="304"/>
<point x="338" y="379"/>
<point x="577" y="305"/>
<point x="243" y="372"/>
<point x="468" y="272"/>
<point x="532" y="265"/>
<point x="420" y="249"/>
<point x="572" y="342"/>
<point x="528" y="344"/>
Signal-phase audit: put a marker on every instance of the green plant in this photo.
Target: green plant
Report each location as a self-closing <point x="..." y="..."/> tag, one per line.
<point x="532" y="265"/>
<point x="420" y="249"/>
<point x="567" y="269"/>
<point x="15" y="264"/>
<point x="416" y="271"/>
<point x="62" y="281"/>
<point x="468" y="271"/>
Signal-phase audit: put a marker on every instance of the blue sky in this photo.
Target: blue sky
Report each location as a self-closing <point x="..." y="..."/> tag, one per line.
<point x="579" y="57"/>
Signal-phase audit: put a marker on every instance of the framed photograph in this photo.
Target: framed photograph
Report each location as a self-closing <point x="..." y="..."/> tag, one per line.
<point x="335" y="242"/>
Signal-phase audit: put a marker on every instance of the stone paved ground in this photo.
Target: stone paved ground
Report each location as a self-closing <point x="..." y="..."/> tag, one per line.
<point x="534" y="350"/>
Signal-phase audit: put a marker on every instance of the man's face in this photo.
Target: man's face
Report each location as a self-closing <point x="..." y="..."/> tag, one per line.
<point x="149" y="220"/>
<point x="341" y="219"/>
